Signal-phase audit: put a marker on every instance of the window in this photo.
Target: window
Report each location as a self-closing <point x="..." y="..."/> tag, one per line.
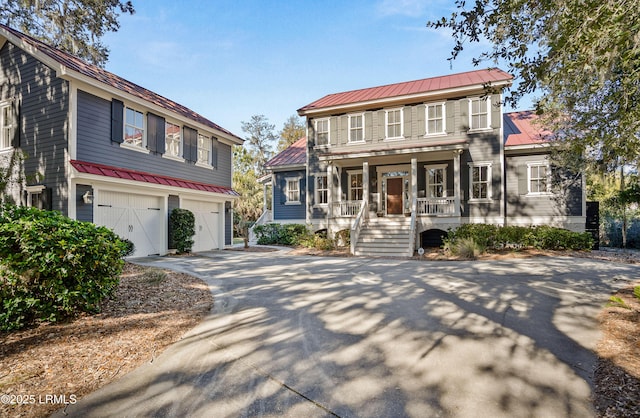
<point x="134" y="128"/>
<point x="35" y="197"/>
<point x="173" y="139"/>
<point x="480" y="181"/>
<point x="6" y="125"/>
<point x="479" y="113"/>
<point x="355" y="185"/>
<point x="394" y="123"/>
<point x="356" y="128"/>
<point x="204" y="149"/>
<point x="538" y="178"/>
<point x="322" y="190"/>
<point x="435" y="119"/>
<point x="436" y="181"/>
<point x="293" y="190"/>
<point x="322" y="132"/>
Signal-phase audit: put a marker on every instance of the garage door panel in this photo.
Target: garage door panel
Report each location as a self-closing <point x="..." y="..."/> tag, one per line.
<point x="207" y="227"/>
<point x="138" y="218"/>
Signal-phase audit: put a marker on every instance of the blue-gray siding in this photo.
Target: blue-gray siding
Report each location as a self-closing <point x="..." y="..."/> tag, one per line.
<point x="44" y="104"/>
<point x="84" y="211"/>
<point x="95" y="145"/>
<point x="282" y="210"/>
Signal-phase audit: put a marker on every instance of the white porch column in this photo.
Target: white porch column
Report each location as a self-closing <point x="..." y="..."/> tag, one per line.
<point x="414" y="185"/>
<point x="456" y="179"/>
<point x="365" y="186"/>
<point x="329" y="191"/>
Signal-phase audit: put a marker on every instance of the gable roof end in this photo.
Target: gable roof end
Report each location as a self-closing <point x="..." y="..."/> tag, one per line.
<point x="72" y="64"/>
<point x="294" y="155"/>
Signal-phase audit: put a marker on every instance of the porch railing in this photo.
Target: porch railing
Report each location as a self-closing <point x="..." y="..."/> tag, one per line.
<point x="436" y="206"/>
<point x="357" y="224"/>
<point x="347" y="208"/>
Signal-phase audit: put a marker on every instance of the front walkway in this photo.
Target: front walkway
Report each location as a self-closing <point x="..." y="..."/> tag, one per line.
<point x="321" y="336"/>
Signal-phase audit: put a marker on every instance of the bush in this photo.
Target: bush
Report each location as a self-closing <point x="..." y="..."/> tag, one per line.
<point x="466" y="247"/>
<point x="280" y="234"/>
<point x="343" y="238"/>
<point x="495" y="237"/>
<point x="182" y="228"/>
<point x="52" y="267"/>
<point x="319" y="241"/>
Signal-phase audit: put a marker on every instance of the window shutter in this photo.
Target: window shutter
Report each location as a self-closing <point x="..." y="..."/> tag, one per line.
<point x="344" y="129"/>
<point x="190" y="144"/>
<point x="523" y="179"/>
<point x="450" y="111"/>
<point x="368" y="126"/>
<point x="214" y="152"/>
<point x="155" y="135"/>
<point x="117" y="125"/>
<point x="407" y="122"/>
<point x="14" y="134"/>
<point x="46" y="199"/>
<point x="422" y="124"/>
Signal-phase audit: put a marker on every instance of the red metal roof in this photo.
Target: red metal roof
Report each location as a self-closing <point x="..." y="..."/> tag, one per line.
<point x="110" y="79"/>
<point x="295" y="154"/>
<point x="427" y="85"/>
<point x="126" y="174"/>
<point x="521" y="128"/>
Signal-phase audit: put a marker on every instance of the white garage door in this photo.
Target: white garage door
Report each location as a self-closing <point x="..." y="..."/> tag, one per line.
<point x="138" y="218"/>
<point x="207" y="216"/>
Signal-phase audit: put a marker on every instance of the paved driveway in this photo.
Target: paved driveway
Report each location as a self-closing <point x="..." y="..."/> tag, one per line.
<point x="359" y="337"/>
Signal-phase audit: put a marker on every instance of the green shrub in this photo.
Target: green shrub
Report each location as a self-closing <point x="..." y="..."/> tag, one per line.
<point x="492" y="237"/>
<point x="280" y="234"/>
<point x="182" y="228"/>
<point x="318" y="241"/>
<point x="52" y="267"/>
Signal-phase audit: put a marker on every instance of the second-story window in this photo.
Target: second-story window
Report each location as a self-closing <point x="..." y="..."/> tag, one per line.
<point x="204" y="149"/>
<point x="356" y="128"/>
<point x="322" y="132"/>
<point x="394" y="123"/>
<point x="173" y="139"/>
<point x="479" y="113"/>
<point x="6" y="125"/>
<point x="134" y="128"/>
<point x="435" y="118"/>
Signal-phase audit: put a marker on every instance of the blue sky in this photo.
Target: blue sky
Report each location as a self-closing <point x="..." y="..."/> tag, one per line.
<point x="229" y="60"/>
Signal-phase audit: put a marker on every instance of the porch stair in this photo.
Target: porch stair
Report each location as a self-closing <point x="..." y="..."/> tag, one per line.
<point x="385" y="237"/>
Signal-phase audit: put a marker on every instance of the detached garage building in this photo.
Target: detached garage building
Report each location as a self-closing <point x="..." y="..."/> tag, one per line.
<point x="98" y="148"/>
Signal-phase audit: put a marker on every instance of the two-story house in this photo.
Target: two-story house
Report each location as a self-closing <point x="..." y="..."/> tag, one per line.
<point x="400" y="164"/>
<point x="83" y="141"/>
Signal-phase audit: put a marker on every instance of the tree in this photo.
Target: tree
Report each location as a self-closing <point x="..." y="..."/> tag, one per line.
<point x="74" y="26"/>
<point x="259" y="138"/>
<point x="582" y="56"/>
<point x="292" y="130"/>
<point x="248" y="207"/>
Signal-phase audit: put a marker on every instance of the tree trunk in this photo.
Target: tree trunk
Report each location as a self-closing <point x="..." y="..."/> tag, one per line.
<point x="624" y="210"/>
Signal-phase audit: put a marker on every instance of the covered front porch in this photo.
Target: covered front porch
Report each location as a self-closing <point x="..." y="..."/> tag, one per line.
<point x="376" y="188"/>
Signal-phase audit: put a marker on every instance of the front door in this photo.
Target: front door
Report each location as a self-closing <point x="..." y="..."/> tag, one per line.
<point x="394" y="196"/>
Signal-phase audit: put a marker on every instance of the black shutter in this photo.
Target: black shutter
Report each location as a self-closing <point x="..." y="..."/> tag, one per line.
<point x="45" y="199"/>
<point x="117" y="125"/>
<point x="214" y="152"/>
<point x="190" y="144"/>
<point x="155" y="134"/>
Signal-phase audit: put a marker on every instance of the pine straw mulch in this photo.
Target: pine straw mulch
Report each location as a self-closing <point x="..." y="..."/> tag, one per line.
<point x="151" y="309"/>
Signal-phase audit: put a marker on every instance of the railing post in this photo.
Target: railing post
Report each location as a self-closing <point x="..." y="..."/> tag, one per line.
<point x="456" y="180"/>
<point x="365" y="186"/>
<point x="329" y="192"/>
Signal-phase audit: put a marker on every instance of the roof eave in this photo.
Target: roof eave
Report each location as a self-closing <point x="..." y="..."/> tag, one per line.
<point x="303" y="111"/>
